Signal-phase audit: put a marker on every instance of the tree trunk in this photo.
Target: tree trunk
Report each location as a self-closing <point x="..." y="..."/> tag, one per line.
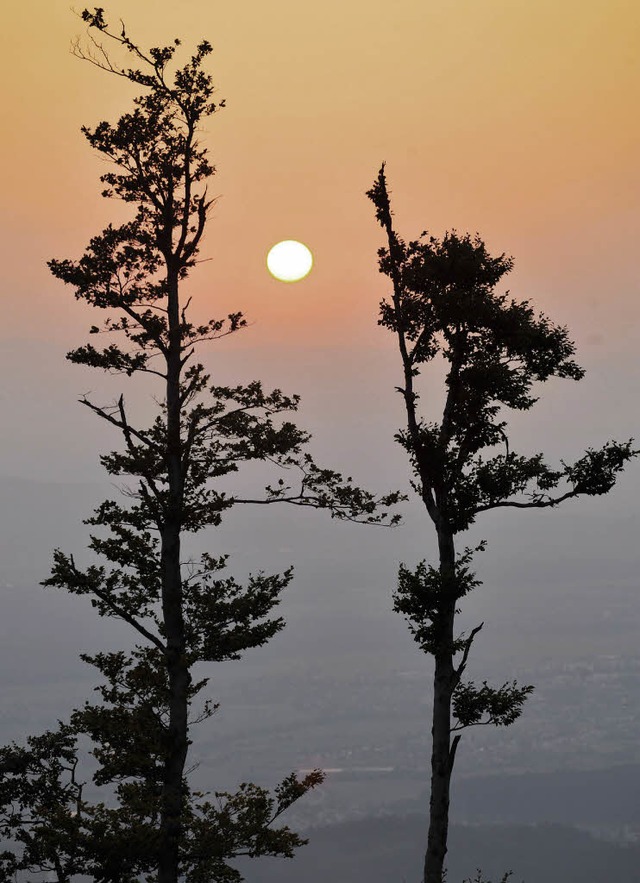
<point x="172" y="797"/>
<point x="443" y="684"/>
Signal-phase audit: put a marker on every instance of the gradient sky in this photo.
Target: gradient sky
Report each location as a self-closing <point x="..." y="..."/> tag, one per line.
<point x="516" y="119"/>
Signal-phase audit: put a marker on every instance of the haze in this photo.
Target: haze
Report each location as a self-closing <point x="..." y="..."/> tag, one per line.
<point x="517" y="120"/>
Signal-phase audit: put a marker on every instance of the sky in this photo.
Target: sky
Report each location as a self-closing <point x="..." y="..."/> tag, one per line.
<point x="512" y="118"/>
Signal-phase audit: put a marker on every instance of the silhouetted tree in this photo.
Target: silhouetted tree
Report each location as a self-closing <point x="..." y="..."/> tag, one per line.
<point x="444" y="303"/>
<point x="183" y="613"/>
<point x="41" y="806"/>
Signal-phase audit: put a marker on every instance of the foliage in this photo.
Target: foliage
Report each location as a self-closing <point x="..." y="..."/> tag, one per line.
<point x="43" y="809"/>
<point x="444" y="304"/>
<point x="499" y="706"/>
<point x="40" y="805"/>
<point x="183" y="611"/>
<point x="420" y="594"/>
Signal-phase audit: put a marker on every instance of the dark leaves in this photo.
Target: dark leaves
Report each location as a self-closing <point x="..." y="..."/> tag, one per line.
<point x="486" y="705"/>
<point x="95" y="19"/>
<point x="596" y="472"/>
<point x="41" y="805"/>
<point x="445" y="303"/>
<point x="241" y="823"/>
<point x="224" y="618"/>
<point x="426" y="596"/>
<point x="111" y="359"/>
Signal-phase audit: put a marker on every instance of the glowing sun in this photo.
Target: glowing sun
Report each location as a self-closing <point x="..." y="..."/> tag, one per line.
<point x="289" y="261"/>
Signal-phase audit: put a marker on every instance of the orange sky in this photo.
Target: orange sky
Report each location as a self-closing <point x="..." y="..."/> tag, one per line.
<point x="515" y="118"/>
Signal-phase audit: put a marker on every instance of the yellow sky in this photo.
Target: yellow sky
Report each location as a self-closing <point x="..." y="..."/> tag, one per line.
<point x="515" y="118"/>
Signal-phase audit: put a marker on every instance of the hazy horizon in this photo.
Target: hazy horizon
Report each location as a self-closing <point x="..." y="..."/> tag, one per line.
<point x="518" y="121"/>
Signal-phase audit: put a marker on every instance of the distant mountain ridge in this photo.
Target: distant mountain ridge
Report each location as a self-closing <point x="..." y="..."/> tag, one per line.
<point x="564" y="797"/>
<point x="390" y="850"/>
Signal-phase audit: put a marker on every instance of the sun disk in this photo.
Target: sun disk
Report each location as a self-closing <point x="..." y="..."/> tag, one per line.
<point x="289" y="261"/>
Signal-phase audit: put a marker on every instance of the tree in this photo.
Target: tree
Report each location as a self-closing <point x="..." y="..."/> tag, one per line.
<point x="41" y="805"/>
<point x="152" y="821"/>
<point x="444" y="303"/>
<point x="54" y="829"/>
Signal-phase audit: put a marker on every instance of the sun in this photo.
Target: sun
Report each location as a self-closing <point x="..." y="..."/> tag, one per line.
<point x="289" y="261"/>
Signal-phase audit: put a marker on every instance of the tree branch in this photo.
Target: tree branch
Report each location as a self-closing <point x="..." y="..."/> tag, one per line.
<point x="476" y="724"/>
<point x="380" y="197"/>
<point x="124" y="427"/>
<point x="534" y="504"/>
<point x="467" y="647"/>
<point x="452" y="751"/>
<point x="122" y="614"/>
<point x="314" y="503"/>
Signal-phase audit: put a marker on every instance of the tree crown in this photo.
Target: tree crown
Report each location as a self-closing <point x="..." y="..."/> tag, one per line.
<point x="444" y="302"/>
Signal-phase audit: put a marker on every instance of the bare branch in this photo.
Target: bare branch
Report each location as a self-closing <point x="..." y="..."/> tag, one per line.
<point x="123" y="426"/>
<point x="467" y="647"/>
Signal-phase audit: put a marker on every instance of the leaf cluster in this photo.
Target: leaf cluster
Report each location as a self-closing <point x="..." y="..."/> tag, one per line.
<point x="241" y="824"/>
<point x="224" y="618"/>
<point x="129" y="727"/>
<point x="444" y="302"/>
<point x="41" y="805"/>
<point x="484" y="705"/>
<point x="322" y="488"/>
<point x="426" y="595"/>
<point x="527" y="482"/>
